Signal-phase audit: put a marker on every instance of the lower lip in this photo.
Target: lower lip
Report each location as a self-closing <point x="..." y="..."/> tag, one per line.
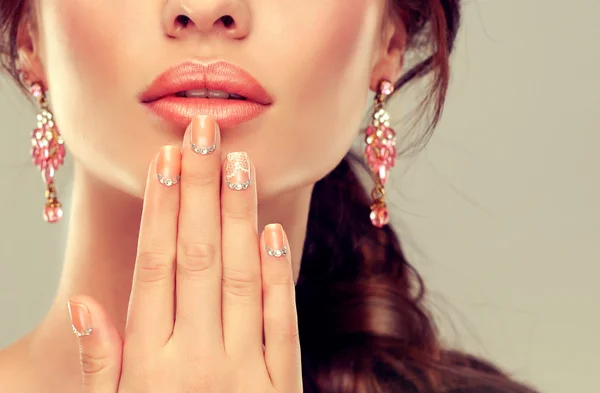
<point x="228" y="113"/>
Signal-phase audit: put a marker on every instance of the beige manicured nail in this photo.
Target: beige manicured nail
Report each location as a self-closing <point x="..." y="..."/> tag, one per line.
<point x="81" y="319"/>
<point x="237" y="171"/>
<point x="204" y="134"/>
<point x="168" y="166"/>
<point x="275" y="245"/>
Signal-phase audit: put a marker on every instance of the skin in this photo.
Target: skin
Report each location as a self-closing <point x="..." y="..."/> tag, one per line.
<point x="95" y="58"/>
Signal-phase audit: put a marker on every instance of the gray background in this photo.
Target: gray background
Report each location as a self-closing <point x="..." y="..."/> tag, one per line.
<point x="500" y="213"/>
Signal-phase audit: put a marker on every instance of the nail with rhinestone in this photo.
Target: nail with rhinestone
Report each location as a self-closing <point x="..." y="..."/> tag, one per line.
<point x="81" y="319"/>
<point x="168" y="166"/>
<point x="274" y="241"/>
<point x="237" y="171"/>
<point x="203" y="134"/>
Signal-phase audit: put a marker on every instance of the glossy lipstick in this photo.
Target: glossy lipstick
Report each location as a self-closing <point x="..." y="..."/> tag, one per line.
<point x="166" y="95"/>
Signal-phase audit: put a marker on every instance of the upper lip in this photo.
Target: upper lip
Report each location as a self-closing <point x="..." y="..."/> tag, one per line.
<point x="192" y="75"/>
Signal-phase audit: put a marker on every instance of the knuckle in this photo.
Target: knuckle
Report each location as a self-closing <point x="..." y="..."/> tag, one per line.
<point x="282" y="280"/>
<point x="289" y="333"/>
<point x="153" y="267"/>
<point x="196" y="257"/>
<point x="93" y="364"/>
<point x="240" y="283"/>
<point x="285" y="332"/>
<point x="241" y="213"/>
<point x="201" y="178"/>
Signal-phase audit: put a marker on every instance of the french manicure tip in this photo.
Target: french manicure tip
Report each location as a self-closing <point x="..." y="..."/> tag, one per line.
<point x="204" y="150"/>
<point x="168" y="181"/>
<point x="237" y="171"/>
<point x="276" y="253"/>
<point x="238" y="186"/>
<point x="81" y="320"/>
<point x="84" y="333"/>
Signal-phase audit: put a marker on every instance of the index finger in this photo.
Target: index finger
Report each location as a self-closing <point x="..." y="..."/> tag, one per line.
<point x="150" y="317"/>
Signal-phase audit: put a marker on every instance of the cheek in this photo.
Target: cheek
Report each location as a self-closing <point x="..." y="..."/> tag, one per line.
<point x="332" y="49"/>
<point x="79" y="38"/>
<point x="324" y="63"/>
<point x="88" y="48"/>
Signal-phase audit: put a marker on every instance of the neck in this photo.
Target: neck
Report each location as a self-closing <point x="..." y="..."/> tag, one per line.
<point x="102" y="242"/>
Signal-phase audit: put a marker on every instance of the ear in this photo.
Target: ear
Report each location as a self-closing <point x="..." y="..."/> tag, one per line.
<point x="390" y="58"/>
<point x="29" y="62"/>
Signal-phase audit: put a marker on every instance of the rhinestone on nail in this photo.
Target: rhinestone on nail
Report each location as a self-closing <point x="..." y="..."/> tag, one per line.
<point x="85" y="333"/>
<point x="276" y="253"/>
<point x="204" y="150"/>
<point x="168" y="182"/>
<point x="238" y="186"/>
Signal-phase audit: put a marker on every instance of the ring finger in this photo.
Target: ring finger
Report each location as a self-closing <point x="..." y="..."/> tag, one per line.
<point x="242" y="297"/>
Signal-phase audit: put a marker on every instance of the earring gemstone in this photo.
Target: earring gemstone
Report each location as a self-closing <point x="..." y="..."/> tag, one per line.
<point x="380" y="216"/>
<point x="380" y="153"/>
<point x="386" y="88"/>
<point x="47" y="153"/>
<point x="52" y="214"/>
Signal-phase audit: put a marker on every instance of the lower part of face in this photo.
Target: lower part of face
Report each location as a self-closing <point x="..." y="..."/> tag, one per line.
<point x="313" y="57"/>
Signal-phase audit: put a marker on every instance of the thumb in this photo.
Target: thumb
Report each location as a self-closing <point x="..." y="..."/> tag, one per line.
<point x="100" y="346"/>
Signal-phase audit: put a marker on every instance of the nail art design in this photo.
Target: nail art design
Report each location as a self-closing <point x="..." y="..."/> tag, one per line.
<point x="203" y="136"/>
<point x="85" y="333"/>
<point x="81" y="320"/>
<point x="204" y="150"/>
<point x="277" y="253"/>
<point x="169" y="166"/>
<point x="237" y="171"/>
<point x="168" y="181"/>
<point x="274" y="243"/>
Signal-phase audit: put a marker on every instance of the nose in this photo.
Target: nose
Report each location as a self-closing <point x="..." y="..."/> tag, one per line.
<point x="227" y="17"/>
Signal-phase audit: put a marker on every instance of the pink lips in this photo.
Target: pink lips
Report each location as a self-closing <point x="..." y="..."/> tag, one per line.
<point x="161" y="97"/>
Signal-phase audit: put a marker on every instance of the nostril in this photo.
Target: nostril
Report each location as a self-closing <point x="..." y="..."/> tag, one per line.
<point x="182" y="20"/>
<point x="227" y="21"/>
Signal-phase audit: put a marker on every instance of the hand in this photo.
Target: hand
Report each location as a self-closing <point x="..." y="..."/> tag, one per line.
<point x="205" y="288"/>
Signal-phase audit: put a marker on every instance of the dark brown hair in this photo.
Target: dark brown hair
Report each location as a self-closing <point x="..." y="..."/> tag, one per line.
<point x="363" y="325"/>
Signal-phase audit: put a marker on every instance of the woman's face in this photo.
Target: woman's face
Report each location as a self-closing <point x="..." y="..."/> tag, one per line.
<point x="315" y="59"/>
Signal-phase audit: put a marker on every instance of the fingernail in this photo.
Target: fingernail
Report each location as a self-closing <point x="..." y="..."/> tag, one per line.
<point x="237" y="171"/>
<point x="203" y="134"/>
<point x="274" y="242"/>
<point x="168" y="166"/>
<point x="81" y="320"/>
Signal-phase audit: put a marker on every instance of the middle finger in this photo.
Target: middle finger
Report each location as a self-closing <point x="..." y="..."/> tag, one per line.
<point x="198" y="310"/>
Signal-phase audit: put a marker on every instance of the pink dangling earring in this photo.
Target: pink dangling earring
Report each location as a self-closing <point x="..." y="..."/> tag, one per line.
<point x="380" y="153"/>
<point x="48" y="152"/>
